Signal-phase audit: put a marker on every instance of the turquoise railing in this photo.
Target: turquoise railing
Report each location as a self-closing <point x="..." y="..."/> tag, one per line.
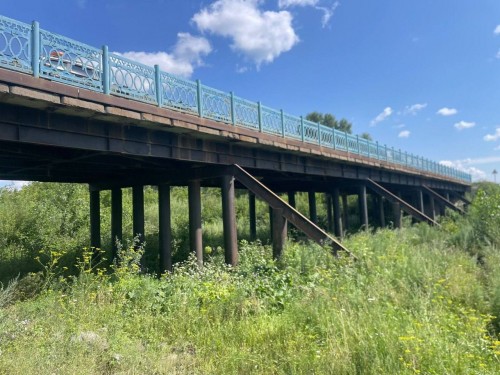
<point x="29" y="49"/>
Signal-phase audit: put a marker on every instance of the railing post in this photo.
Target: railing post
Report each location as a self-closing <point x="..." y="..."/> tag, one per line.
<point x="35" y="49"/>
<point x="158" y="87"/>
<point x="386" y="157"/>
<point x="368" y="147"/>
<point x="406" y="158"/>
<point x="334" y="145"/>
<point x="282" y="123"/>
<point x="357" y="144"/>
<point x="346" y="142"/>
<point x="259" y="111"/>
<point x="199" y="97"/>
<point x="302" y="127"/>
<point x="319" y="134"/>
<point x="378" y="154"/>
<point x="233" y="109"/>
<point x="106" y="81"/>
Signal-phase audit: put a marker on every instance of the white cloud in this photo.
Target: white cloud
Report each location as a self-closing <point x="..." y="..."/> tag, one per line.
<point x="259" y="35"/>
<point x="381" y="116"/>
<point x="497" y="30"/>
<point x="290" y="3"/>
<point x="445" y="111"/>
<point x="464" y="125"/>
<point x="328" y="11"/>
<point x="492" y="137"/>
<point x="464" y="166"/>
<point x="404" y="134"/>
<point x="414" y="109"/>
<point x="184" y="58"/>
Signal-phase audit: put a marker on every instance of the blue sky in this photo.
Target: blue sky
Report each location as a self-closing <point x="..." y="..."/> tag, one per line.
<point x="423" y="76"/>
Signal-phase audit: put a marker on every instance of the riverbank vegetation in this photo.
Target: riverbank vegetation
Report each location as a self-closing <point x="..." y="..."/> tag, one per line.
<point x="419" y="300"/>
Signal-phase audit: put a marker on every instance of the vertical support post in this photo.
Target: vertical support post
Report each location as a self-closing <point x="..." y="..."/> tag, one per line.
<point x="195" y="234"/>
<point x="302" y="128"/>
<point x="253" y="216"/>
<point x="345" y="213"/>
<point x="95" y="218"/>
<point x="291" y="199"/>
<point x="138" y="212"/>
<point x="346" y="142"/>
<point x="279" y="232"/>
<point x="329" y="213"/>
<point x="357" y="144"/>
<point x="363" y="207"/>
<point x="378" y="154"/>
<point x="319" y="134"/>
<point x="116" y="219"/>
<point x="381" y="211"/>
<point x="229" y="221"/>
<point x="396" y="211"/>
<point x="35" y="52"/>
<point x="165" y="228"/>
<point x="337" y="221"/>
<point x="282" y="115"/>
<point x="334" y="144"/>
<point x="259" y="112"/>
<point x="313" y="215"/>
<point x="432" y="207"/>
<point x="420" y="196"/>
<point x="337" y="218"/>
<point x="106" y="79"/>
<point x="233" y="109"/>
<point x="199" y="97"/>
<point x="158" y="86"/>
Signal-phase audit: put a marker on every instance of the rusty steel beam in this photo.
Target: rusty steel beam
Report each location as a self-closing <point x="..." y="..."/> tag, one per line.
<point x="442" y="199"/>
<point x="292" y="215"/>
<point x="410" y="210"/>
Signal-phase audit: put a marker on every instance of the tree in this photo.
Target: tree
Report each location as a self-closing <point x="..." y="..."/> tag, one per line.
<point x="329" y="120"/>
<point x="366" y="136"/>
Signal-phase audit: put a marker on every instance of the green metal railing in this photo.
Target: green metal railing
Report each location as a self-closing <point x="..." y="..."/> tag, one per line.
<point x="29" y="49"/>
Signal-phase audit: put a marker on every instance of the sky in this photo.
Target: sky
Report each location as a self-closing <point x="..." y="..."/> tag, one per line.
<point x="421" y="76"/>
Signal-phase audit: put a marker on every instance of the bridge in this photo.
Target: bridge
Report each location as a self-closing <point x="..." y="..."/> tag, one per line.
<point x="75" y="113"/>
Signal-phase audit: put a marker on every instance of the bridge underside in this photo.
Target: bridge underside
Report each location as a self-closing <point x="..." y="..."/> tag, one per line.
<point x="112" y="143"/>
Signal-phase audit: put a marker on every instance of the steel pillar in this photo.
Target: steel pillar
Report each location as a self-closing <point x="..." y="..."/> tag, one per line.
<point x="381" y="212"/>
<point x="329" y="213"/>
<point x="253" y="216"/>
<point x="165" y="229"/>
<point x="95" y="219"/>
<point x="345" y="213"/>
<point x="279" y="232"/>
<point x="420" y="200"/>
<point x="195" y="234"/>
<point x="138" y="212"/>
<point x="229" y="221"/>
<point x="116" y="220"/>
<point x="396" y="212"/>
<point x="313" y="215"/>
<point x="337" y="219"/>
<point x="432" y="205"/>
<point x="363" y="207"/>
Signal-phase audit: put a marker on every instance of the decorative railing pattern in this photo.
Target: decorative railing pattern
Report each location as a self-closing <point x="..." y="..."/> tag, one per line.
<point x="28" y="49"/>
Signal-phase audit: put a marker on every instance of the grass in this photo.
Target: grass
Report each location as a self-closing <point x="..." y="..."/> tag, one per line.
<point x="411" y="304"/>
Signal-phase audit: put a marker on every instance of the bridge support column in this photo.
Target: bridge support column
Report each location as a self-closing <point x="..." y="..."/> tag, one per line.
<point x="116" y="219"/>
<point x="253" y="216"/>
<point x="337" y="220"/>
<point x="345" y="213"/>
<point x="165" y="229"/>
<point x="420" y="200"/>
<point x="195" y="234"/>
<point x="229" y="221"/>
<point x="279" y="232"/>
<point x="432" y="206"/>
<point x="291" y="198"/>
<point x="329" y="212"/>
<point x="138" y="212"/>
<point x="313" y="214"/>
<point x="363" y="207"/>
<point x="95" y="219"/>
<point x="396" y="212"/>
<point x="381" y="212"/>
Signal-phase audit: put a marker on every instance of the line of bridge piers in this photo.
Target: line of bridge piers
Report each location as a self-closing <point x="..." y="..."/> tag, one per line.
<point x="337" y="212"/>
